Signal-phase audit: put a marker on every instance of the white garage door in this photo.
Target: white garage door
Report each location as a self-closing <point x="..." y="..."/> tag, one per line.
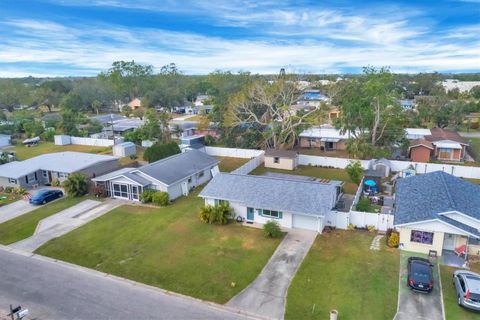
<point x="305" y="222"/>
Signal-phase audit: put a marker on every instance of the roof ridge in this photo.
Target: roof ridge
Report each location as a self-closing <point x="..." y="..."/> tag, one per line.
<point x="447" y="190"/>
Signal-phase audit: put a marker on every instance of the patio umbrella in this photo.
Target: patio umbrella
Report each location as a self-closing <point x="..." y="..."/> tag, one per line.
<point x="370" y="183"/>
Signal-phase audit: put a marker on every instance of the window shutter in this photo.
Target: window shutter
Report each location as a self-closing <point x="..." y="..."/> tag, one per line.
<point x="26" y="179"/>
<point x="280" y="214"/>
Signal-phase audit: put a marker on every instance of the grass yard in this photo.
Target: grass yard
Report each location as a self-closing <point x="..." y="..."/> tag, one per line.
<point x="452" y="310"/>
<point x="476" y="181"/>
<point x="169" y="248"/>
<point x="24" y="152"/>
<point x="318" y="172"/>
<point x="24" y="226"/>
<point x="6" y="198"/>
<point x="341" y="272"/>
<point x="228" y="164"/>
<point x="475" y="148"/>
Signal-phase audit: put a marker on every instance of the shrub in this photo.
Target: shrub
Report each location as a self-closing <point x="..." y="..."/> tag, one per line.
<point x="219" y="214"/>
<point x="55" y="183"/>
<point x="8" y="189"/>
<point x="355" y="171"/>
<point x="20" y="191"/>
<point x="100" y="192"/>
<point x="394" y="240"/>
<point x="76" y="185"/>
<point x="160" y="198"/>
<point x="271" y="229"/>
<point x="209" y="140"/>
<point x="351" y="227"/>
<point x="363" y="205"/>
<point x="371" y="228"/>
<point x="159" y="151"/>
<point x="147" y="195"/>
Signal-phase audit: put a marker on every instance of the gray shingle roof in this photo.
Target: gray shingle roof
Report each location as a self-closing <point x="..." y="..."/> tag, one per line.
<point x="459" y="225"/>
<point x="67" y="162"/>
<point x="423" y="197"/>
<point x="179" y="166"/>
<point x="272" y="193"/>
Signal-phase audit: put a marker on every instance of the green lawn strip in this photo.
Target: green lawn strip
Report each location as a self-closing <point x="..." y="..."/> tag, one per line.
<point x="228" y="164"/>
<point x="24" y="152"/>
<point x="169" y="248"/>
<point x="317" y="172"/>
<point x="452" y="310"/>
<point x="341" y="272"/>
<point x="24" y="226"/>
<point x="475" y="148"/>
<point x="7" y="198"/>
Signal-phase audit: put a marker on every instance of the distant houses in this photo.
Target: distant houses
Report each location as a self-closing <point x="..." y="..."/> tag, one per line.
<point x="437" y="144"/>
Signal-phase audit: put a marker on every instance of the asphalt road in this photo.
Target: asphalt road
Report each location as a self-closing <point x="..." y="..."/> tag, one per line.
<point x="52" y="290"/>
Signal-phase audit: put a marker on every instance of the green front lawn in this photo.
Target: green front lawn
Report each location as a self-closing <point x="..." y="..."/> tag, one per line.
<point x="228" y="164"/>
<point x="317" y="172"/>
<point x="24" y="152"/>
<point x="341" y="272"/>
<point x="169" y="248"/>
<point x="7" y="198"/>
<point x="24" y="226"/>
<point x="452" y="310"/>
<point x="475" y="147"/>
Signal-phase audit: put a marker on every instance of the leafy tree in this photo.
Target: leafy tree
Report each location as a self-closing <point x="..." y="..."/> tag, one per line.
<point x="135" y="136"/>
<point x="72" y="102"/>
<point x="3" y="116"/>
<point x="33" y="128"/>
<point x="76" y="185"/>
<point x="13" y="93"/>
<point x="355" y="171"/>
<point x="151" y="128"/>
<point x="159" y="151"/>
<point x="68" y="124"/>
<point x="475" y="92"/>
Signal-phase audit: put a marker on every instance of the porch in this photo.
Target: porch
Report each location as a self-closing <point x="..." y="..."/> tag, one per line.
<point x="458" y="250"/>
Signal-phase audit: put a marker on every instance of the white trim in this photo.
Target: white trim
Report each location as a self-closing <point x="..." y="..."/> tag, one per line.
<point x="437" y="220"/>
<point x="121" y="175"/>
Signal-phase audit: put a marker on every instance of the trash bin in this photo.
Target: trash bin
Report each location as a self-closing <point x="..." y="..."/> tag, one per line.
<point x="333" y="314"/>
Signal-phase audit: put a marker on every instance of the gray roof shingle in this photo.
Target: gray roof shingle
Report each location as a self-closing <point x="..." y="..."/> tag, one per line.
<point x="425" y="196"/>
<point x="289" y="195"/>
<point x="179" y="166"/>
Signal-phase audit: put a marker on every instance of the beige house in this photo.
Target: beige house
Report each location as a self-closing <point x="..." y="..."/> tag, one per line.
<point x="438" y="213"/>
<point x="135" y="104"/>
<point x="324" y="138"/>
<point x="281" y="159"/>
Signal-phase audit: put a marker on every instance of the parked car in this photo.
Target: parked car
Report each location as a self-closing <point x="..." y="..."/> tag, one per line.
<point x="45" y="195"/>
<point x="467" y="284"/>
<point x="420" y="274"/>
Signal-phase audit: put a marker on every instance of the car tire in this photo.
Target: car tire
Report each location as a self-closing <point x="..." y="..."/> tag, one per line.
<point x="459" y="301"/>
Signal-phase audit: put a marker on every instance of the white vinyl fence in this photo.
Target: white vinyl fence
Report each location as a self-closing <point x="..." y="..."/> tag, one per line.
<point x="233" y="152"/>
<point x="250" y="165"/>
<point x="341" y="220"/>
<point x="65" y="140"/>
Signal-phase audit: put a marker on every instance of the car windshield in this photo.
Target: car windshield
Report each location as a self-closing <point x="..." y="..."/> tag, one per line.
<point x="473" y="283"/>
<point x="421" y="272"/>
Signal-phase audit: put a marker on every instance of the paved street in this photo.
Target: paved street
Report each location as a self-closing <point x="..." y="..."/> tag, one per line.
<point x="266" y="296"/>
<point x="52" y="290"/>
<point x="65" y="221"/>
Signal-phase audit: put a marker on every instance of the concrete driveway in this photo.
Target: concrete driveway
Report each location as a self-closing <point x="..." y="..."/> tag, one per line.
<point x="414" y="305"/>
<point x="18" y="208"/>
<point x="267" y="294"/>
<point x="66" y="221"/>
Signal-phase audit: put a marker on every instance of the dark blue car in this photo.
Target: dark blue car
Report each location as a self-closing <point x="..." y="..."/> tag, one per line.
<point x="45" y="195"/>
<point x="420" y="274"/>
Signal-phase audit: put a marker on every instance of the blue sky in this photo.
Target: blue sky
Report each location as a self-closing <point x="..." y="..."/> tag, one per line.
<point x="83" y="37"/>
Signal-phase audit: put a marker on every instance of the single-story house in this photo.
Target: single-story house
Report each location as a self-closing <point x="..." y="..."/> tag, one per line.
<point x="416" y="133"/>
<point x="293" y="203"/>
<point x="176" y="175"/>
<point x="44" y="169"/>
<point x="325" y="138"/>
<point x="281" y="159"/>
<point x="437" y="212"/>
<point x="135" y="104"/>
<point x="420" y="150"/>
<point x="5" y="140"/>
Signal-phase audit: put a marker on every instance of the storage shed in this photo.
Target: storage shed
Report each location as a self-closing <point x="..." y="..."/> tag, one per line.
<point x="281" y="159"/>
<point x="124" y="149"/>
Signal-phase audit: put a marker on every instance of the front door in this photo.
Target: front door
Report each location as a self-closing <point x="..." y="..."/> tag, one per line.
<point x="449" y="242"/>
<point x="250" y="215"/>
<point x="135" y="193"/>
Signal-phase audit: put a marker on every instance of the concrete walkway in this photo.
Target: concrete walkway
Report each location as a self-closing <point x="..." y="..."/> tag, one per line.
<point x="415" y="305"/>
<point x="376" y="242"/>
<point x="65" y="221"/>
<point x="266" y="295"/>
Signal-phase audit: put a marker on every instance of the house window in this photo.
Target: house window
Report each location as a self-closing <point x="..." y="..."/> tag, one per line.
<point x="44" y="173"/>
<point x="276" y="160"/>
<point x="444" y="153"/>
<point x="219" y="202"/>
<point x="32" y="177"/>
<point x="421" y="237"/>
<point x="10" y="180"/>
<point x="190" y="180"/>
<point x="62" y="175"/>
<point x="271" y="213"/>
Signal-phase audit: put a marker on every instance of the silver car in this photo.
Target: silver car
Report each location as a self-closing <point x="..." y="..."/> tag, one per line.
<point x="467" y="284"/>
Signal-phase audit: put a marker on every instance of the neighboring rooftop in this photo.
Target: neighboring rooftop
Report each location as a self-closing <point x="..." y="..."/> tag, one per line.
<point x="302" y="178"/>
<point x="273" y="193"/>
<point x="326" y="133"/>
<point x="421" y="142"/>
<point x="425" y="196"/>
<point x="67" y="162"/>
<point x="439" y="134"/>
<point x="416" y="133"/>
<point x="108" y="118"/>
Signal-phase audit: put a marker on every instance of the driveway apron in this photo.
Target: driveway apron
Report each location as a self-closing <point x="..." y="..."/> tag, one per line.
<point x="267" y="294"/>
<point x="415" y="305"/>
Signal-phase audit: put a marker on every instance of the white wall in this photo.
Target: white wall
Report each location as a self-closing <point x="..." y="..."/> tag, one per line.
<point x="233" y="152"/>
<point x="63" y="140"/>
<point x="250" y="165"/>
